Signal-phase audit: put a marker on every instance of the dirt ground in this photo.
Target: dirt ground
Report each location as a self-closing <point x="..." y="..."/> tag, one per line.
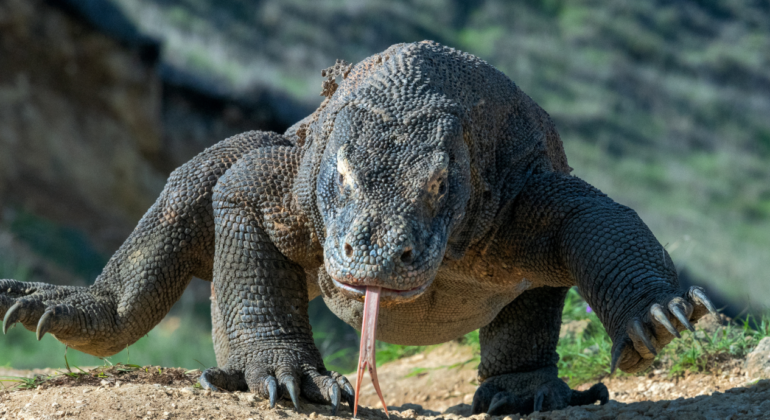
<point x="434" y="385"/>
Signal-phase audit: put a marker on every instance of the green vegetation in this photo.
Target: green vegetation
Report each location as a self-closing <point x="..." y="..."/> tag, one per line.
<point x="21" y="382"/>
<point x="19" y="349"/>
<point x="586" y="356"/>
<point x="66" y="247"/>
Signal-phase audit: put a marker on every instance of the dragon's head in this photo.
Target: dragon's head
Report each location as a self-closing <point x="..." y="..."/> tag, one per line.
<point x="392" y="186"/>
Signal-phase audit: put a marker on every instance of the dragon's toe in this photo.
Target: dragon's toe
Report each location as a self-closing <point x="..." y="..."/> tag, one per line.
<point x="316" y="385"/>
<point x="282" y="374"/>
<point x="79" y="317"/>
<point x="526" y="392"/>
<point x="645" y="335"/>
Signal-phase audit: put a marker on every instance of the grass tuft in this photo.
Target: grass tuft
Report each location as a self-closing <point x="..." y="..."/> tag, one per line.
<point x="586" y="357"/>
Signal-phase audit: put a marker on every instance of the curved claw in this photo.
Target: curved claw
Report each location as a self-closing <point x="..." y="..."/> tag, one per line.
<point x="657" y="313"/>
<point x="681" y="316"/>
<point x="598" y="392"/>
<point x="335" y="398"/>
<point x="697" y="294"/>
<point x="502" y="403"/>
<point x="11" y="317"/>
<point x="477" y="406"/>
<point x="638" y="328"/>
<point x="292" y="389"/>
<point x="44" y="325"/>
<point x="350" y="395"/>
<point x="272" y="391"/>
<point x="539" y="399"/>
<point x="617" y="351"/>
<point x="203" y="380"/>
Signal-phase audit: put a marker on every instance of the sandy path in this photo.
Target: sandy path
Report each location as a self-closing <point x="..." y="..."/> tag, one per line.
<point x="433" y="385"/>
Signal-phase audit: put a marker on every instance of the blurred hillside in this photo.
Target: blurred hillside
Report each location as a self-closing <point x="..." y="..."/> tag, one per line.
<point x="663" y="105"/>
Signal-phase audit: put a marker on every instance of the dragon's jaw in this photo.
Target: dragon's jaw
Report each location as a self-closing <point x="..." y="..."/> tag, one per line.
<point x="367" y="352"/>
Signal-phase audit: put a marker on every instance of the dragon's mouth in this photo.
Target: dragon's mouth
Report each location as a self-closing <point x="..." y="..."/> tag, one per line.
<point x="386" y="293"/>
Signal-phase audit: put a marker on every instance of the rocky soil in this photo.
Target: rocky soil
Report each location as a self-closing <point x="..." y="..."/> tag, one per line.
<point x="438" y="384"/>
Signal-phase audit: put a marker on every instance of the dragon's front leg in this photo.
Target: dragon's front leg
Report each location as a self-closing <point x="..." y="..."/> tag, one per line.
<point x="173" y="242"/>
<point x="261" y="294"/>
<point x="562" y="232"/>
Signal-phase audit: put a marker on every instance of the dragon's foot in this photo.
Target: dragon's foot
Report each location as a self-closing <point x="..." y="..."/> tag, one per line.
<point x="525" y="392"/>
<point x="74" y="315"/>
<point x="660" y="323"/>
<point x="282" y="373"/>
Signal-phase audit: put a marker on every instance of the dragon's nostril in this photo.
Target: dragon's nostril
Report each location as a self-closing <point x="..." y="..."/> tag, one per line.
<point x="406" y="257"/>
<point x="348" y="250"/>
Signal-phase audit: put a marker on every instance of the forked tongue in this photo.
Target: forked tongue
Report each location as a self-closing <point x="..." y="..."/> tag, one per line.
<point x="366" y="356"/>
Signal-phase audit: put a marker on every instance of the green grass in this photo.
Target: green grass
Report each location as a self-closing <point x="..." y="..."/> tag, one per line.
<point x="172" y="343"/>
<point x="586" y="357"/>
<point x="390" y="352"/>
<point x="21" y="382"/>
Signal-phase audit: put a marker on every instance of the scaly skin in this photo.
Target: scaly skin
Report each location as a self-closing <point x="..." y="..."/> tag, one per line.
<point x="426" y="177"/>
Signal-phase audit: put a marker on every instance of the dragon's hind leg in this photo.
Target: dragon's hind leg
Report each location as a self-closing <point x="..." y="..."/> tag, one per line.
<point x="518" y="359"/>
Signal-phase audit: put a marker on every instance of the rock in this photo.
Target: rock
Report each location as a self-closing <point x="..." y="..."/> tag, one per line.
<point x="416" y="407"/>
<point x="417" y="410"/>
<point x="591" y="350"/>
<point x="758" y="361"/>
<point x="459" y="409"/>
<point x="710" y="324"/>
<point x="573" y="328"/>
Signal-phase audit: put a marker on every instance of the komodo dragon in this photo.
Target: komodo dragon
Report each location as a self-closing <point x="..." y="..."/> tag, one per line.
<point x="428" y="185"/>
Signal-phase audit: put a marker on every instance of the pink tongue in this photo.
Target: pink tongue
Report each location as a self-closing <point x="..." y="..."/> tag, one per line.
<point x="366" y="356"/>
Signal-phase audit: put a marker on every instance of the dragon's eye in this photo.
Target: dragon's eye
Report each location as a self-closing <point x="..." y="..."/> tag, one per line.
<point x="442" y="188"/>
<point x="341" y="179"/>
